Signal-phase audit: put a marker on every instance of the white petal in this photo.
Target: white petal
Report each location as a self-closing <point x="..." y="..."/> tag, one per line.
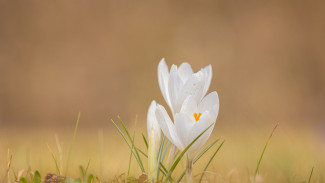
<point x="174" y="85"/>
<point x="194" y="86"/>
<point x="189" y="106"/>
<point x="152" y="122"/>
<point x="167" y="125"/>
<point x="201" y="125"/>
<point x="183" y="125"/>
<point x="163" y="77"/>
<point x="185" y="71"/>
<point x="210" y="103"/>
<point x="208" y="77"/>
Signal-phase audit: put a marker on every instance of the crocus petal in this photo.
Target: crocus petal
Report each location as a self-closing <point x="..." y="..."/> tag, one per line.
<point x="189" y="106"/>
<point x="210" y="103"/>
<point x="208" y="77"/>
<point x="163" y="77"/>
<point x="174" y="85"/>
<point x="193" y="86"/>
<point x="203" y="123"/>
<point x="185" y="71"/>
<point x="183" y="125"/>
<point x="152" y="122"/>
<point x="167" y="126"/>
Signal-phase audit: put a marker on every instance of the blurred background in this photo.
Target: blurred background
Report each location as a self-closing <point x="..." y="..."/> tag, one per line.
<point x="100" y="58"/>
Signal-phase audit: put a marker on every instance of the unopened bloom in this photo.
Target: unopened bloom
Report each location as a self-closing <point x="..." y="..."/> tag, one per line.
<point x="192" y="119"/>
<point x="152" y="123"/>
<point x="180" y="82"/>
<point x="154" y="134"/>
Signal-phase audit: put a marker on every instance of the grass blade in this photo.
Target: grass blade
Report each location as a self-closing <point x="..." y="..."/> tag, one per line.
<point x="311" y="174"/>
<point x="182" y="154"/>
<point x="267" y="143"/>
<point x="198" y="157"/>
<point x="159" y="154"/>
<point x="91" y="178"/>
<point x="205" y="150"/>
<point x="54" y="159"/>
<point x="145" y="140"/>
<point x="70" y="149"/>
<point x="129" y="136"/>
<point x="214" y="154"/>
<point x="164" y="151"/>
<point x="130" y="160"/>
<point x="143" y="153"/>
<point x="23" y="180"/>
<point x="87" y="167"/>
<point x="127" y="142"/>
<point x="163" y="170"/>
<point x="37" y="177"/>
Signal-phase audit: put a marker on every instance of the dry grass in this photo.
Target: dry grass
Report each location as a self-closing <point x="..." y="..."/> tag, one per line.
<point x="289" y="157"/>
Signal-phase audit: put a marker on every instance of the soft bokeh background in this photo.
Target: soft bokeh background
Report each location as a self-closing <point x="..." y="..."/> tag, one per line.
<point x="100" y="58"/>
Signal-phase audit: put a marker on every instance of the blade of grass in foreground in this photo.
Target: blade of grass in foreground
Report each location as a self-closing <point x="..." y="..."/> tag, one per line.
<point x="311" y="174"/>
<point x="130" y="160"/>
<point x="70" y="149"/>
<point x="143" y="153"/>
<point x="54" y="159"/>
<point x="127" y="142"/>
<point x="198" y="157"/>
<point x="159" y="154"/>
<point x="206" y="167"/>
<point x="267" y="143"/>
<point x="164" y="151"/>
<point x="86" y="170"/>
<point x="145" y="140"/>
<point x="182" y="154"/>
<point x="129" y="136"/>
<point x="37" y="177"/>
<point x="163" y="170"/>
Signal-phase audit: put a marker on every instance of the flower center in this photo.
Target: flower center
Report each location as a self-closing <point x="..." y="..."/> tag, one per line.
<point x="197" y="116"/>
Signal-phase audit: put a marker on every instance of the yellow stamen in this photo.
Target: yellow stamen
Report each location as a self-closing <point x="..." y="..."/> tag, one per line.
<point x="197" y="116"/>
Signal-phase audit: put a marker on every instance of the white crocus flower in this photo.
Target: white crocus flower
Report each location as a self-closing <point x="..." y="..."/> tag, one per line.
<point x="180" y="82"/>
<point x="190" y="122"/>
<point x="154" y="134"/>
<point x="152" y="123"/>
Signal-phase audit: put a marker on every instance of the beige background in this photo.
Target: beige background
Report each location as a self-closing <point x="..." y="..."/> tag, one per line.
<point x="100" y="58"/>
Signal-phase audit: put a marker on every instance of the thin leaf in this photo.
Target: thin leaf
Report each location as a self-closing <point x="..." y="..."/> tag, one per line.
<point x="37" y="177"/>
<point x="159" y="154"/>
<point x="91" y="178"/>
<point x="127" y="142"/>
<point x="182" y="154"/>
<point x="311" y="174"/>
<point x="143" y="153"/>
<point x="70" y="149"/>
<point x="87" y="167"/>
<point x="164" y="151"/>
<point x="198" y="157"/>
<point x="145" y="140"/>
<point x="23" y="180"/>
<point x="130" y="159"/>
<point x="82" y="171"/>
<point x="267" y="143"/>
<point x="129" y="136"/>
<point x="214" y="154"/>
<point x="164" y="170"/>
<point x="54" y="159"/>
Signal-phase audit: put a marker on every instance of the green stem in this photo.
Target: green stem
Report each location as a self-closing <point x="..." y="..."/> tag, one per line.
<point x="189" y="167"/>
